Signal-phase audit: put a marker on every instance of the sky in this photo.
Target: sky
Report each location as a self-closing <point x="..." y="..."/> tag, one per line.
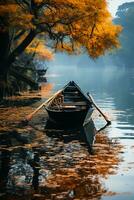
<point x="113" y="5"/>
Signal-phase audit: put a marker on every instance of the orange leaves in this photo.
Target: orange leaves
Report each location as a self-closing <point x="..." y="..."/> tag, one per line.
<point x="4" y="9"/>
<point x="23" y="20"/>
<point x="46" y="89"/>
<point x="70" y="25"/>
<point x="38" y="1"/>
<point x="16" y="16"/>
<point x="40" y="50"/>
<point x="104" y="39"/>
<point x="69" y="47"/>
<point x="87" y="23"/>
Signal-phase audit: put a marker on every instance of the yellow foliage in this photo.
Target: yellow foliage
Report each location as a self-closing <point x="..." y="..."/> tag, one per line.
<point x="38" y="1"/>
<point x="40" y="50"/>
<point x="105" y="39"/>
<point x="4" y="9"/>
<point x="16" y="16"/>
<point x="70" y="25"/>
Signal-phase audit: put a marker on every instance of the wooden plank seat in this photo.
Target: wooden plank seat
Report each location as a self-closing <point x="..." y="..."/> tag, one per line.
<point x="72" y="97"/>
<point x="78" y="103"/>
<point x="71" y="100"/>
<point x="70" y="92"/>
<point x="67" y="107"/>
<point x="70" y="105"/>
<point x="70" y="88"/>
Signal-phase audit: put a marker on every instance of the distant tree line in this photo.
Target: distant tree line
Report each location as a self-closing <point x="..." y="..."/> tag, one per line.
<point x="124" y="56"/>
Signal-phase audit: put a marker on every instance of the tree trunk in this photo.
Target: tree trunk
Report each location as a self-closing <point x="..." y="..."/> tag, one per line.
<point x="21" y="47"/>
<point x="7" y="58"/>
<point x="4" y="51"/>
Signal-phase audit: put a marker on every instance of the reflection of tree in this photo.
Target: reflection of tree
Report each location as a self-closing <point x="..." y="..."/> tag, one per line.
<point x="61" y="166"/>
<point x="20" y="173"/>
<point x="73" y="183"/>
<point x="4" y="169"/>
<point x="84" y="134"/>
<point x="81" y="180"/>
<point x="36" y="167"/>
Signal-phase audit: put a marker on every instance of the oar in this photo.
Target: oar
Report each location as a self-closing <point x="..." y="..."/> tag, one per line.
<point x="29" y="117"/>
<point x="94" y="104"/>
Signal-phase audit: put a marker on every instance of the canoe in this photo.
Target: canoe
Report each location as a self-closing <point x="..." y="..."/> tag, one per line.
<point x="70" y="106"/>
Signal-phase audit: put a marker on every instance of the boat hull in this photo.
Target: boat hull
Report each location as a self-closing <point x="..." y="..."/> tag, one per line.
<point x="71" y="119"/>
<point x="69" y="107"/>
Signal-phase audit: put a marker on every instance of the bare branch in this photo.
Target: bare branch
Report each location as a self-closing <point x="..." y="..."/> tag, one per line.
<point x="92" y="30"/>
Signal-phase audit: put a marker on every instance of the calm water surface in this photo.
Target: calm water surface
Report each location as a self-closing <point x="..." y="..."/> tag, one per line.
<point x="113" y="90"/>
<point x="41" y="163"/>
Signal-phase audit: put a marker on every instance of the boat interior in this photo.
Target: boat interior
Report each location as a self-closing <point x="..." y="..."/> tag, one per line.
<point x="69" y="99"/>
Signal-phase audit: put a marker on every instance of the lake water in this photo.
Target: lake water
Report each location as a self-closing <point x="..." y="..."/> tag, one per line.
<point x="113" y="90"/>
<point x="38" y="162"/>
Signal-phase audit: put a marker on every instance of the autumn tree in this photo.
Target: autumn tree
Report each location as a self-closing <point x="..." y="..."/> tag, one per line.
<point x="73" y="26"/>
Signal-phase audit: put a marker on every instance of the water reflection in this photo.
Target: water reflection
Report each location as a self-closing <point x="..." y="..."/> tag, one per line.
<point x="84" y="134"/>
<point x="65" y="164"/>
<point x="36" y="168"/>
<point x="113" y="89"/>
<point x="4" y="169"/>
<point x="56" y="164"/>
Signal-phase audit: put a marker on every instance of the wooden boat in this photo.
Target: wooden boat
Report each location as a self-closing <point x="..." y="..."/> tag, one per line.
<point x="69" y="107"/>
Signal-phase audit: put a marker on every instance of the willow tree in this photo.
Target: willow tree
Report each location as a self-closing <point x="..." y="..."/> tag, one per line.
<point x="73" y="26"/>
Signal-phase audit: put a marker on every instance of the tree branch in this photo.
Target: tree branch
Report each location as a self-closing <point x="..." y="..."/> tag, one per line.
<point x="19" y="34"/>
<point x="23" y="4"/>
<point x="21" y="47"/>
<point x="92" y="30"/>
